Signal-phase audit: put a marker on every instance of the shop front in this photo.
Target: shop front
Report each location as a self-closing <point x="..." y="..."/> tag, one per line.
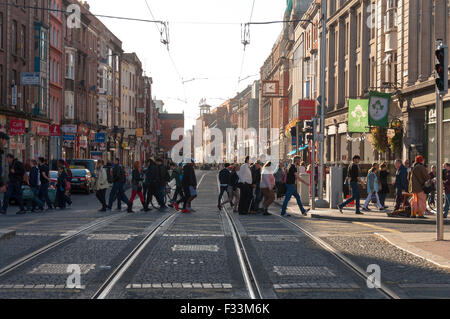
<point x="69" y="133"/>
<point x="82" y="142"/>
<point x="17" y="134"/>
<point x="39" y="140"/>
<point x="431" y="134"/>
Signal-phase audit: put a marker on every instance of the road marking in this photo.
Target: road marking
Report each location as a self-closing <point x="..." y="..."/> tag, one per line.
<point x="377" y="227"/>
<point x="40" y="287"/>
<point x="180" y="286"/>
<point x="303" y="271"/>
<point x="209" y="248"/>
<point x="60" y="269"/>
<point x="109" y="237"/>
<point x="308" y="285"/>
<point x="276" y="238"/>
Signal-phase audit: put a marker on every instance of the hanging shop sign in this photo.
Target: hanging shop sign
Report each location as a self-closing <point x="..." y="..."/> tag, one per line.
<point x="100" y="138"/>
<point x="379" y="109"/>
<point x="40" y="129"/>
<point x="306" y="109"/>
<point x="358" y="116"/>
<point x="96" y="155"/>
<point x="55" y="130"/>
<point x="69" y="129"/>
<point x="16" y="127"/>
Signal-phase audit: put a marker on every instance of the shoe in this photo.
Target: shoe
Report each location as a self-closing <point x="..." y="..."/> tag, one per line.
<point x="422" y="217"/>
<point x="306" y="212"/>
<point x="286" y="215"/>
<point x="185" y="211"/>
<point x="445" y="216"/>
<point x="382" y="209"/>
<point x="170" y="205"/>
<point x="340" y="208"/>
<point x="21" y="212"/>
<point x="102" y="210"/>
<point x="108" y="209"/>
<point x="359" y="213"/>
<point x="219" y="207"/>
<point x="266" y="213"/>
<point x="366" y="209"/>
<point x="175" y="205"/>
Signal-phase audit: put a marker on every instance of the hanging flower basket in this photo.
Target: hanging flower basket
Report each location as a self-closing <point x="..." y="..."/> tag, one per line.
<point x="380" y="139"/>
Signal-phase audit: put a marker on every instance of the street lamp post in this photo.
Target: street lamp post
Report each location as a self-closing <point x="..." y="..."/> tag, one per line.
<point x="321" y="203"/>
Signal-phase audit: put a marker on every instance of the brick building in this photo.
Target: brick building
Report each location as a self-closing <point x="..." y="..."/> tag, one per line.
<point x="168" y="123"/>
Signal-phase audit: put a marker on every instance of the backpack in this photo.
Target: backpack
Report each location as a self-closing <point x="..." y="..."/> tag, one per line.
<point x="122" y="176"/>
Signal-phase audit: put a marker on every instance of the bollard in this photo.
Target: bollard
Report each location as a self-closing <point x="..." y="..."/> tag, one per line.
<point x="335" y="187"/>
<point x="304" y="190"/>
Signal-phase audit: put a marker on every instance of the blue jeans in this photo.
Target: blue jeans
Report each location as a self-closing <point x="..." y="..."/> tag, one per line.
<point x="447" y="205"/>
<point x="36" y="199"/>
<point x="356" y="196"/>
<point x="43" y="194"/>
<point x="162" y="196"/>
<point x="291" y="190"/>
<point x="118" y="192"/>
<point x="13" y="190"/>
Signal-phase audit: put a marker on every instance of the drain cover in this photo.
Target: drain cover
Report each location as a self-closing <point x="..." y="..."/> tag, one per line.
<point x="60" y="269"/>
<point x="303" y="271"/>
<point x="210" y="248"/>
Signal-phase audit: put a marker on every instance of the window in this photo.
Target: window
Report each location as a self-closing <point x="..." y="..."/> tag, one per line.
<point x="70" y="66"/>
<point x="22" y="42"/>
<point x="14" y="37"/>
<point x="1" y="30"/>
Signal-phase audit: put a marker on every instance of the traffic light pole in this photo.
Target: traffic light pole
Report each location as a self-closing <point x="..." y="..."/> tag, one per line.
<point x="321" y="203"/>
<point x="313" y="165"/>
<point x="439" y="182"/>
<point x="441" y="90"/>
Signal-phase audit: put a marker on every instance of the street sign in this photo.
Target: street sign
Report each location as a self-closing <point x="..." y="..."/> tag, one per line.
<point x="100" y="137"/>
<point x="55" y="130"/>
<point x="30" y="78"/>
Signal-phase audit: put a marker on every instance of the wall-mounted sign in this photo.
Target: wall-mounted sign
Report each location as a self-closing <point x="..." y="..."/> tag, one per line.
<point x="100" y="137"/>
<point x="55" y="130"/>
<point x="69" y="137"/>
<point x="16" y="127"/>
<point x="40" y="129"/>
<point x="306" y="109"/>
<point x="30" y="78"/>
<point x="69" y="129"/>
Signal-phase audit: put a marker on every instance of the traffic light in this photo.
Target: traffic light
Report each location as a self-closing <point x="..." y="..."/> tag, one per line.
<point x="309" y="129"/>
<point x="294" y="131"/>
<point x="442" y="69"/>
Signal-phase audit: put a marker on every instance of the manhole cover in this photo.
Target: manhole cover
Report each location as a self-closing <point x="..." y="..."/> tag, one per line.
<point x="303" y="271"/>
<point x="60" y="269"/>
<point x="109" y="237"/>
<point x="276" y="238"/>
<point x="210" y="248"/>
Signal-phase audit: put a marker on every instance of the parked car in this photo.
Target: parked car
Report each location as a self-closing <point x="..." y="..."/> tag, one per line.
<point x="82" y="179"/>
<point x="85" y="163"/>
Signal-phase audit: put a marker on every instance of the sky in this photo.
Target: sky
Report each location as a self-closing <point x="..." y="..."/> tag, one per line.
<point x="196" y="50"/>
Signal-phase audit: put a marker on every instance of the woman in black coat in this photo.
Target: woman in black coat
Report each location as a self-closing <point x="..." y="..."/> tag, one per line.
<point x="384" y="190"/>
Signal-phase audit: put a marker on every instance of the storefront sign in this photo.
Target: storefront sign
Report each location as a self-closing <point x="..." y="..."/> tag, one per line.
<point x="358" y="116"/>
<point x="100" y="138"/>
<point x="306" y="109"/>
<point x="30" y="78"/>
<point x="69" y="137"/>
<point x="55" y="130"/>
<point x="40" y="129"/>
<point x="96" y="155"/>
<point x="16" y="127"/>
<point x="83" y="130"/>
<point x="69" y="129"/>
<point x="83" y="142"/>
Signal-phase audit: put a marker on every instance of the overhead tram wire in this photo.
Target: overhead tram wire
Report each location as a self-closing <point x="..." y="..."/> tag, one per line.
<point x="245" y="41"/>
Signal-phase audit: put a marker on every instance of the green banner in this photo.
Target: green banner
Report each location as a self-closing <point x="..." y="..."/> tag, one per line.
<point x="379" y="109"/>
<point x="358" y="116"/>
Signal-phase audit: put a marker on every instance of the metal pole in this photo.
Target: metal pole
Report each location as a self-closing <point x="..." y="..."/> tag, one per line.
<point x="321" y="202"/>
<point x="439" y="164"/>
<point x="313" y="165"/>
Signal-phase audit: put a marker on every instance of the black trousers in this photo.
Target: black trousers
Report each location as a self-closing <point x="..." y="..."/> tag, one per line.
<point x="246" y="198"/>
<point x="152" y="190"/>
<point x="101" y="196"/>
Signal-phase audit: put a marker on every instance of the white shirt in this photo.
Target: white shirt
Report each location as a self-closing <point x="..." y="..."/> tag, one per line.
<point x="245" y="174"/>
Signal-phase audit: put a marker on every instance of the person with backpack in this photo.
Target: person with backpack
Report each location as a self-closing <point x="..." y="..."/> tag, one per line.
<point x="117" y="191"/>
<point x="418" y="178"/>
<point x="101" y="184"/>
<point x="177" y="175"/>
<point x="136" y="184"/>
<point x="225" y="181"/>
<point x="373" y="187"/>
<point x="15" y="180"/>
<point x="353" y="175"/>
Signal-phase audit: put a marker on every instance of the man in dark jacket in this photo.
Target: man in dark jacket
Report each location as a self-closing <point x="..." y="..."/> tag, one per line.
<point x="15" y="179"/>
<point x="117" y="191"/>
<point x="401" y="183"/>
<point x="35" y="184"/>
<point x="45" y="182"/>
<point x="3" y="145"/>
<point x="152" y="182"/>
<point x="189" y="183"/>
<point x="225" y="182"/>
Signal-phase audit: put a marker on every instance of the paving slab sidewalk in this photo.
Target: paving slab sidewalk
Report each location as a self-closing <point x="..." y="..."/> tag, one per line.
<point x="423" y="245"/>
